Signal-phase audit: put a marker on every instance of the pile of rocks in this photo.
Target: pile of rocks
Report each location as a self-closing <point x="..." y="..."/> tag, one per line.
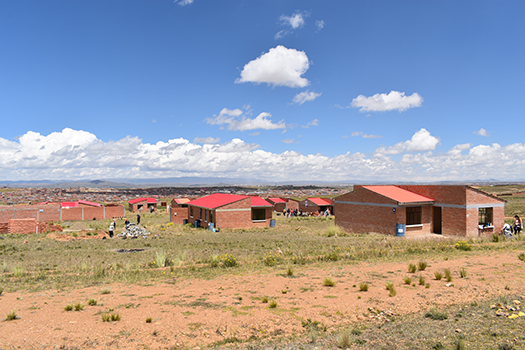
<point x="133" y="231"/>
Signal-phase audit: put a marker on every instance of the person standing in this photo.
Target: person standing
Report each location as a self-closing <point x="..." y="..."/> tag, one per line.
<point x="111" y="229"/>
<point x="138" y="219"/>
<point x="517" y="224"/>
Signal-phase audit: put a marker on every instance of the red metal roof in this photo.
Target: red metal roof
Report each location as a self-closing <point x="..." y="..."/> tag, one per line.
<point x="398" y="194"/>
<point x="181" y="200"/>
<point x="259" y="202"/>
<point x="216" y="200"/>
<point x="148" y="200"/>
<point x="89" y="203"/>
<point x="69" y="204"/>
<point x="277" y="200"/>
<point x="320" y="201"/>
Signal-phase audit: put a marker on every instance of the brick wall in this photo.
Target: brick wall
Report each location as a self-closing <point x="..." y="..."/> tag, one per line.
<point x="23" y="226"/>
<point x="235" y="215"/>
<point x="3" y="227"/>
<point x="72" y="214"/>
<point x="178" y="215"/>
<point x="292" y="204"/>
<point x="114" y="211"/>
<point x="45" y="212"/>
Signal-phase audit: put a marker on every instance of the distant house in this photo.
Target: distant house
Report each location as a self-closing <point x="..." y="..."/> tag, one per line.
<point x="420" y="209"/>
<point x="224" y="210"/>
<point x="316" y="205"/>
<point x="279" y="204"/>
<point x="142" y="204"/>
<point x="178" y="210"/>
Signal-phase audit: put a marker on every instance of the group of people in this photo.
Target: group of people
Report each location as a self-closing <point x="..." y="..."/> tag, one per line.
<point x="113" y="225"/>
<point x="299" y="212"/>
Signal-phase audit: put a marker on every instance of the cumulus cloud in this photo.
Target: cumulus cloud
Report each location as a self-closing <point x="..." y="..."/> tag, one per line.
<point x="305" y="96"/>
<point x="421" y="141"/>
<point x="280" y="66"/>
<point x="387" y="102"/>
<point x="482" y="132"/>
<point x="75" y="155"/>
<point x="206" y="140"/>
<point x="236" y="120"/>
<point x="314" y="122"/>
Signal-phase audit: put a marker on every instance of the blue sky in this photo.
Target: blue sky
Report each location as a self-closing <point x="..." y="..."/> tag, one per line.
<point x="273" y="90"/>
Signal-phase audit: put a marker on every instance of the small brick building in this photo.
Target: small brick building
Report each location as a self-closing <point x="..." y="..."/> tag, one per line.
<point x="316" y="205"/>
<point x="223" y="210"/>
<point x="279" y="204"/>
<point x="455" y="210"/>
<point x="142" y="204"/>
<point x="178" y="210"/>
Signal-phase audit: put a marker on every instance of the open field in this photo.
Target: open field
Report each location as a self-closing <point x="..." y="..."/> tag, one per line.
<point x="301" y="285"/>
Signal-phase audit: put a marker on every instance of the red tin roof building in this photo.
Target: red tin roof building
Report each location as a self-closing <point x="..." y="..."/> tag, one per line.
<point x="414" y="210"/>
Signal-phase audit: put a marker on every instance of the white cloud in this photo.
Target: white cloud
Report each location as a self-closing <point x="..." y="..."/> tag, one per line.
<point x="291" y="23"/>
<point x="74" y="155"/>
<point x="319" y="24"/>
<point x="421" y="141"/>
<point x="184" y="2"/>
<point x="367" y="136"/>
<point x="387" y="102"/>
<point x="288" y="141"/>
<point x="305" y="96"/>
<point x="294" y="21"/>
<point x="482" y="132"/>
<point x="356" y="133"/>
<point x="239" y="122"/>
<point x="280" y="66"/>
<point x="206" y="140"/>
<point x="314" y="122"/>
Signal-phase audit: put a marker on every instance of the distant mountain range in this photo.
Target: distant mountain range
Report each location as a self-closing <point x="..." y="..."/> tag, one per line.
<point x="210" y="181"/>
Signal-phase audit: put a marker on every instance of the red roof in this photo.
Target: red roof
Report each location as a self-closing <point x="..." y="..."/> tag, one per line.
<point x="181" y="200"/>
<point x="399" y="194"/>
<point x="138" y="200"/>
<point x="69" y="204"/>
<point x="259" y="202"/>
<point x="75" y="204"/>
<point x="216" y="200"/>
<point x="220" y="199"/>
<point x="320" y="201"/>
<point x="277" y="200"/>
<point x="89" y="203"/>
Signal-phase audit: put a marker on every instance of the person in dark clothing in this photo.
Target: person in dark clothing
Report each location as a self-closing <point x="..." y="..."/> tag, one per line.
<point x="138" y="219"/>
<point x="126" y="222"/>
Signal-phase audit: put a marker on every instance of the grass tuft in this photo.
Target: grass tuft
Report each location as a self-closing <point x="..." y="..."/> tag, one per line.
<point x="438" y="275"/>
<point x="412" y="268"/>
<point x="363" y="287"/>
<point x="422" y="265"/>
<point x="407" y="280"/>
<point x="328" y="282"/>
<point x="463" y="272"/>
<point x="11" y="316"/>
<point x="448" y="275"/>
<point x="436" y="315"/>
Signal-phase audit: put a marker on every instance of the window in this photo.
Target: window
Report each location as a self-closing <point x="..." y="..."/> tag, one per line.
<point x="191" y="211"/>
<point x="258" y="214"/>
<point x="485" y="216"/>
<point x="413" y="216"/>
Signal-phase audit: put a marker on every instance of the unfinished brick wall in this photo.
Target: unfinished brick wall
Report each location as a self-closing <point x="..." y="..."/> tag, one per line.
<point x="23" y="226"/>
<point x="114" y="211"/>
<point x="3" y="227"/>
<point x="44" y="212"/>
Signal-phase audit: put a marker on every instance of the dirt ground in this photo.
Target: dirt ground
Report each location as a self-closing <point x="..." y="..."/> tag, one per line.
<point x="188" y="313"/>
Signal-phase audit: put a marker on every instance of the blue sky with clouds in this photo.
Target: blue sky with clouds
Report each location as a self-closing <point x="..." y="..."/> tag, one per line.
<point x="274" y="90"/>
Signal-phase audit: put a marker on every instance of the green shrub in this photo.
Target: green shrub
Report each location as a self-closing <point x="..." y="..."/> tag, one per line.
<point x="148" y="320"/>
<point x="412" y="268"/>
<point x="272" y="259"/>
<point x="272" y="304"/>
<point x="265" y="299"/>
<point x="391" y="289"/>
<point x="363" y="287"/>
<point x="448" y="275"/>
<point x="421" y="280"/>
<point x="78" y="307"/>
<point x="434" y="314"/>
<point x="328" y="282"/>
<point x="68" y="307"/>
<point x="11" y="316"/>
<point x="463" y="245"/>
<point x="407" y="280"/>
<point x="228" y="260"/>
<point x="463" y="272"/>
<point x="289" y="271"/>
<point x="438" y="275"/>
<point x="422" y="265"/>
<point x="92" y="302"/>
<point x="521" y="256"/>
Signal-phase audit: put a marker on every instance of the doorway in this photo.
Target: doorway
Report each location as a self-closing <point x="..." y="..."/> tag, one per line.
<point x="436" y="220"/>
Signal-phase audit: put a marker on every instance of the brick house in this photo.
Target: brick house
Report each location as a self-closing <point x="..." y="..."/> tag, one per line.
<point x="142" y="204"/>
<point x="223" y="210"/>
<point x="178" y="210"/>
<point x="455" y="210"/>
<point x="279" y="204"/>
<point x="313" y="205"/>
